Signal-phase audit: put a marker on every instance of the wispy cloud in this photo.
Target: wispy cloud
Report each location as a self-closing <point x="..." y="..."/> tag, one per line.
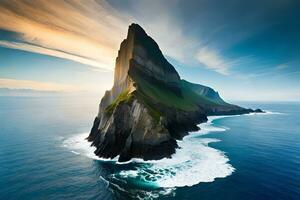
<point x="36" y="85"/>
<point x="90" y="31"/>
<point x="83" y="31"/>
<point x="50" y="52"/>
<point x="213" y="60"/>
<point x="93" y="30"/>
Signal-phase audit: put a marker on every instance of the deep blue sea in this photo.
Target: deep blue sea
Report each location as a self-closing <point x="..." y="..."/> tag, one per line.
<point x="43" y="155"/>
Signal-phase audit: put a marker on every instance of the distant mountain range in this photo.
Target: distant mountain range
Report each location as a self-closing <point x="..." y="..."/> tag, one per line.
<point x="150" y="106"/>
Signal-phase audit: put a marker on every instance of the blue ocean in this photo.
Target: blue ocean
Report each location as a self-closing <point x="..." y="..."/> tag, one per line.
<point x="44" y="155"/>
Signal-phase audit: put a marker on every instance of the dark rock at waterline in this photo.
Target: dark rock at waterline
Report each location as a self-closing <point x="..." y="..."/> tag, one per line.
<point x="258" y="111"/>
<point x="149" y="107"/>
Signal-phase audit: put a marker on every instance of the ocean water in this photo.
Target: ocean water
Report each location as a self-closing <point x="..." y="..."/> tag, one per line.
<point x="43" y="155"/>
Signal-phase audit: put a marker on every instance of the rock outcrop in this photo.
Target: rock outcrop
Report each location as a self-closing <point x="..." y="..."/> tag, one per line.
<point x="149" y="106"/>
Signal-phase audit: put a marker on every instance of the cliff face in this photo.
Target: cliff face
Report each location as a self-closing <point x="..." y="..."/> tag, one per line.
<point x="149" y="106"/>
<point x="141" y="54"/>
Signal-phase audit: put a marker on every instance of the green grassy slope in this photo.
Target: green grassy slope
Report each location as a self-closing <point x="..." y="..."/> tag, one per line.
<point x="151" y="93"/>
<point x="188" y="101"/>
<point x="124" y="97"/>
<point x="204" y="91"/>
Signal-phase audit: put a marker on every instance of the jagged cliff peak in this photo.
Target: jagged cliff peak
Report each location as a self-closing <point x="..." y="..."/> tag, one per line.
<point x="135" y="30"/>
<point x="140" y="51"/>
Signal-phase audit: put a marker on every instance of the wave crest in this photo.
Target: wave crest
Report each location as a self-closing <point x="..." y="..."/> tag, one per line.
<point x="194" y="162"/>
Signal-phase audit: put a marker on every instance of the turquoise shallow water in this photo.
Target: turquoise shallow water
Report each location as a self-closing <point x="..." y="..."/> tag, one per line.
<point x="43" y="156"/>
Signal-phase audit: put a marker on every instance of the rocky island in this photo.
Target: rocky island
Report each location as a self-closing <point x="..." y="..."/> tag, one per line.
<point x="149" y="106"/>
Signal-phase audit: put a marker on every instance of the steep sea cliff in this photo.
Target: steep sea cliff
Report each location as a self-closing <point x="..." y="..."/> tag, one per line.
<point x="149" y="106"/>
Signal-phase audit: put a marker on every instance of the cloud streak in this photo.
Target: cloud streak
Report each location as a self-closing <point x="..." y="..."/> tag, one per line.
<point x="212" y="60"/>
<point x="90" y="31"/>
<point x="50" y="52"/>
<point x="36" y="85"/>
<point x="90" y="34"/>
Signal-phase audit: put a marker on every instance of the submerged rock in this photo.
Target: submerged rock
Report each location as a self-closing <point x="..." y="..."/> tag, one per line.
<point x="149" y="107"/>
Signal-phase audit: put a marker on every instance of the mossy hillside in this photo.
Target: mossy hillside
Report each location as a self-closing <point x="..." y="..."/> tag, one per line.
<point x="124" y="97"/>
<point x="151" y="94"/>
<point x="198" y="98"/>
<point x="153" y="112"/>
<point x="210" y="94"/>
<point x="188" y="101"/>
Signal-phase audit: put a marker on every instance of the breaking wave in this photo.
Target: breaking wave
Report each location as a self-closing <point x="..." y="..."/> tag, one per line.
<point x="194" y="162"/>
<point x="80" y="146"/>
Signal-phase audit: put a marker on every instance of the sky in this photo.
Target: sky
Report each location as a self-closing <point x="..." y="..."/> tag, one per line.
<point x="246" y="50"/>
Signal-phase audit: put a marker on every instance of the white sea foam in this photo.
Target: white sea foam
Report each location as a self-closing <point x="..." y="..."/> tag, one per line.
<point x="208" y="127"/>
<point x="79" y="145"/>
<point x="267" y="112"/>
<point x="194" y="162"/>
<point x="149" y="195"/>
<point x="75" y="152"/>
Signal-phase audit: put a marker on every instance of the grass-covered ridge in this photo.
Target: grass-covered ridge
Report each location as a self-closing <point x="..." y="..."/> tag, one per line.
<point x="204" y="91"/>
<point x="124" y="97"/>
<point x="189" y="100"/>
<point x="151" y="93"/>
